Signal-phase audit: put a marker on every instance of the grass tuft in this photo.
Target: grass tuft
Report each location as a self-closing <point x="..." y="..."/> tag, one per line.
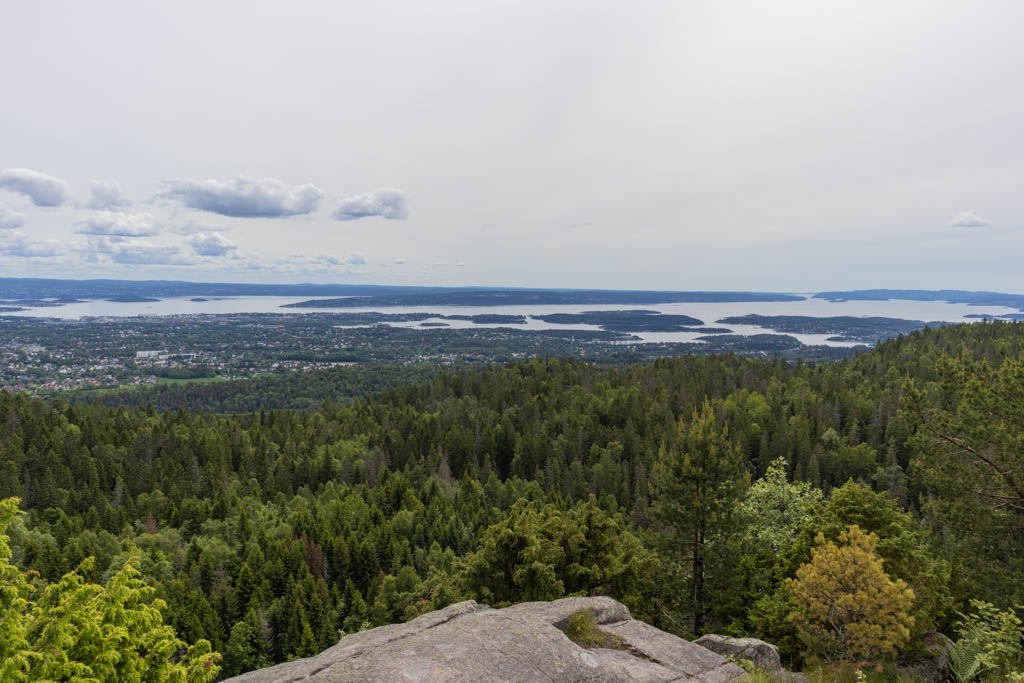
<point x="582" y="629"/>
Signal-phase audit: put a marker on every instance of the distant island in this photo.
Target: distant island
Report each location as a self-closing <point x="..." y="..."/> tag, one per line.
<point x="38" y="303"/>
<point x="843" y="327"/>
<point x="753" y="343"/>
<point x="1001" y="316"/>
<point x="953" y="296"/>
<point x="131" y="299"/>
<point x="626" y="321"/>
<point x="489" y="319"/>
<point x="374" y="317"/>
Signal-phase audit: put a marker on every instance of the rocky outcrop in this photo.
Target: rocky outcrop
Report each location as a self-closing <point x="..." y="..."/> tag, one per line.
<point x="764" y="656"/>
<point x="525" y="642"/>
<point x="933" y="661"/>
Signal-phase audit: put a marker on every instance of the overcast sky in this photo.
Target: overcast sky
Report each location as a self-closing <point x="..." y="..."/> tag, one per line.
<point x="788" y="146"/>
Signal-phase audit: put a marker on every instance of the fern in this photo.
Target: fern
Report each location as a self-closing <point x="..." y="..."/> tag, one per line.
<point x="966" y="656"/>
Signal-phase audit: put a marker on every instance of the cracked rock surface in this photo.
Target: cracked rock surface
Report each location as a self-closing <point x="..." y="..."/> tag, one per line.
<point x="471" y="642"/>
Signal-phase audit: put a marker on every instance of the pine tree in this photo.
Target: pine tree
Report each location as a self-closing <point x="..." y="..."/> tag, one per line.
<point x="698" y="480"/>
<point x="847" y="606"/>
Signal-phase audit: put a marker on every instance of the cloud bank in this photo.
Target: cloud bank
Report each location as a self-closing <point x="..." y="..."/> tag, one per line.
<point x="118" y="224"/>
<point x="244" y="197"/>
<point x="149" y="255"/>
<point x="42" y="189"/>
<point x="191" y="227"/>
<point x="969" y="219"/>
<point x="106" y="194"/>
<point x="10" y="220"/>
<point x="23" y="247"/>
<point x="385" y="202"/>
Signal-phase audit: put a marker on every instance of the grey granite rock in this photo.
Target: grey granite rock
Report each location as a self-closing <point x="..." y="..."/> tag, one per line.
<point x="764" y="655"/>
<point x="471" y="642"/>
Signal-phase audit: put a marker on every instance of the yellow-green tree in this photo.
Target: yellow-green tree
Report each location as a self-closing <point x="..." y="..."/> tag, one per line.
<point x="74" y="630"/>
<point x="847" y="606"/>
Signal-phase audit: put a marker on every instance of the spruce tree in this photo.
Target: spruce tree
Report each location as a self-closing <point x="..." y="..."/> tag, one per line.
<point x="698" y="481"/>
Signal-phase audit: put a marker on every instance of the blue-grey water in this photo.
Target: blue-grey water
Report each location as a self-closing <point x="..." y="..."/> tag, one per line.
<point x="708" y="312"/>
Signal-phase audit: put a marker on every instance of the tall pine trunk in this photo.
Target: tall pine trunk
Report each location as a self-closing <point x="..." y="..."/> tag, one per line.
<point x="698" y="578"/>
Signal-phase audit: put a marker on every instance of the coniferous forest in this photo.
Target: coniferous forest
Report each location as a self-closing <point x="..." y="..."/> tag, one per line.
<point x="844" y="511"/>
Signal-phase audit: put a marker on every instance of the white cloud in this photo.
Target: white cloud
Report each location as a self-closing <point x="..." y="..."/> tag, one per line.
<point x="149" y="255"/>
<point x="244" y="197"/>
<point x="42" y="189"/>
<point x="319" y="263"/>
<point x="118" y="224"/>
<point x="384" y="202"/>
<point x="10" y="220"/>
<point x="21" y="246"/>
<point x="353" y="259"/>
<point x="102" y="244"/>
<point x="969" y="219"/>
<point x="106" y="194"/>
<point x="193" y="227"/>
<point x="212" y="244"/>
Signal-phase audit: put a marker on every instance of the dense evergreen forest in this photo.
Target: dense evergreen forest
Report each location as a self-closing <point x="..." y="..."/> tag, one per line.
<point x="710" y="494"/>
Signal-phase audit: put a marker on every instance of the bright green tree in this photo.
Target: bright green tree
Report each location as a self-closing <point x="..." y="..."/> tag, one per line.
<point x="543" y="553"/>
<point x="771" y="517"/>
<point x="73" y="630"/>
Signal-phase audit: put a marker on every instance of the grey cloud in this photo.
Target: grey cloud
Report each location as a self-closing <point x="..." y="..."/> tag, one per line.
<point x="10" y="220"/>
<point x="23" y="247"/>
<point x="319" y="263"/>
<point x="42" y="189"/>
<point x="106" y="194"/>
<point x="399" y="261"/>
<point x="149" y="255"/>
<point x="192" y="227"/>
<point x="353" y="259"/>
<point x="969" y="219"/>
<point x="118" y="224"/>
<point x="103" y="244"/>
<point x="212" y="244"/>
<point x="244" y="197"/>
<point x="385" y="202"/>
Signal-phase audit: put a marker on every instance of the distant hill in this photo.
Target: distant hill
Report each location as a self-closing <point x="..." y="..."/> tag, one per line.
<point x="953" y="296"/>
<point x="42" y="288"/>
<point x="541" y="297"/>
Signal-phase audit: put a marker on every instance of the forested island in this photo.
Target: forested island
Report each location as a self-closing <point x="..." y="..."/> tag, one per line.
<point x="953" y="296"/>
<point x="132" y="299"/>
<point x="866" y="329"/>
<point x="372" y="318"/>
<point x="716" y="493"/>
<point x="630" y="321"/>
